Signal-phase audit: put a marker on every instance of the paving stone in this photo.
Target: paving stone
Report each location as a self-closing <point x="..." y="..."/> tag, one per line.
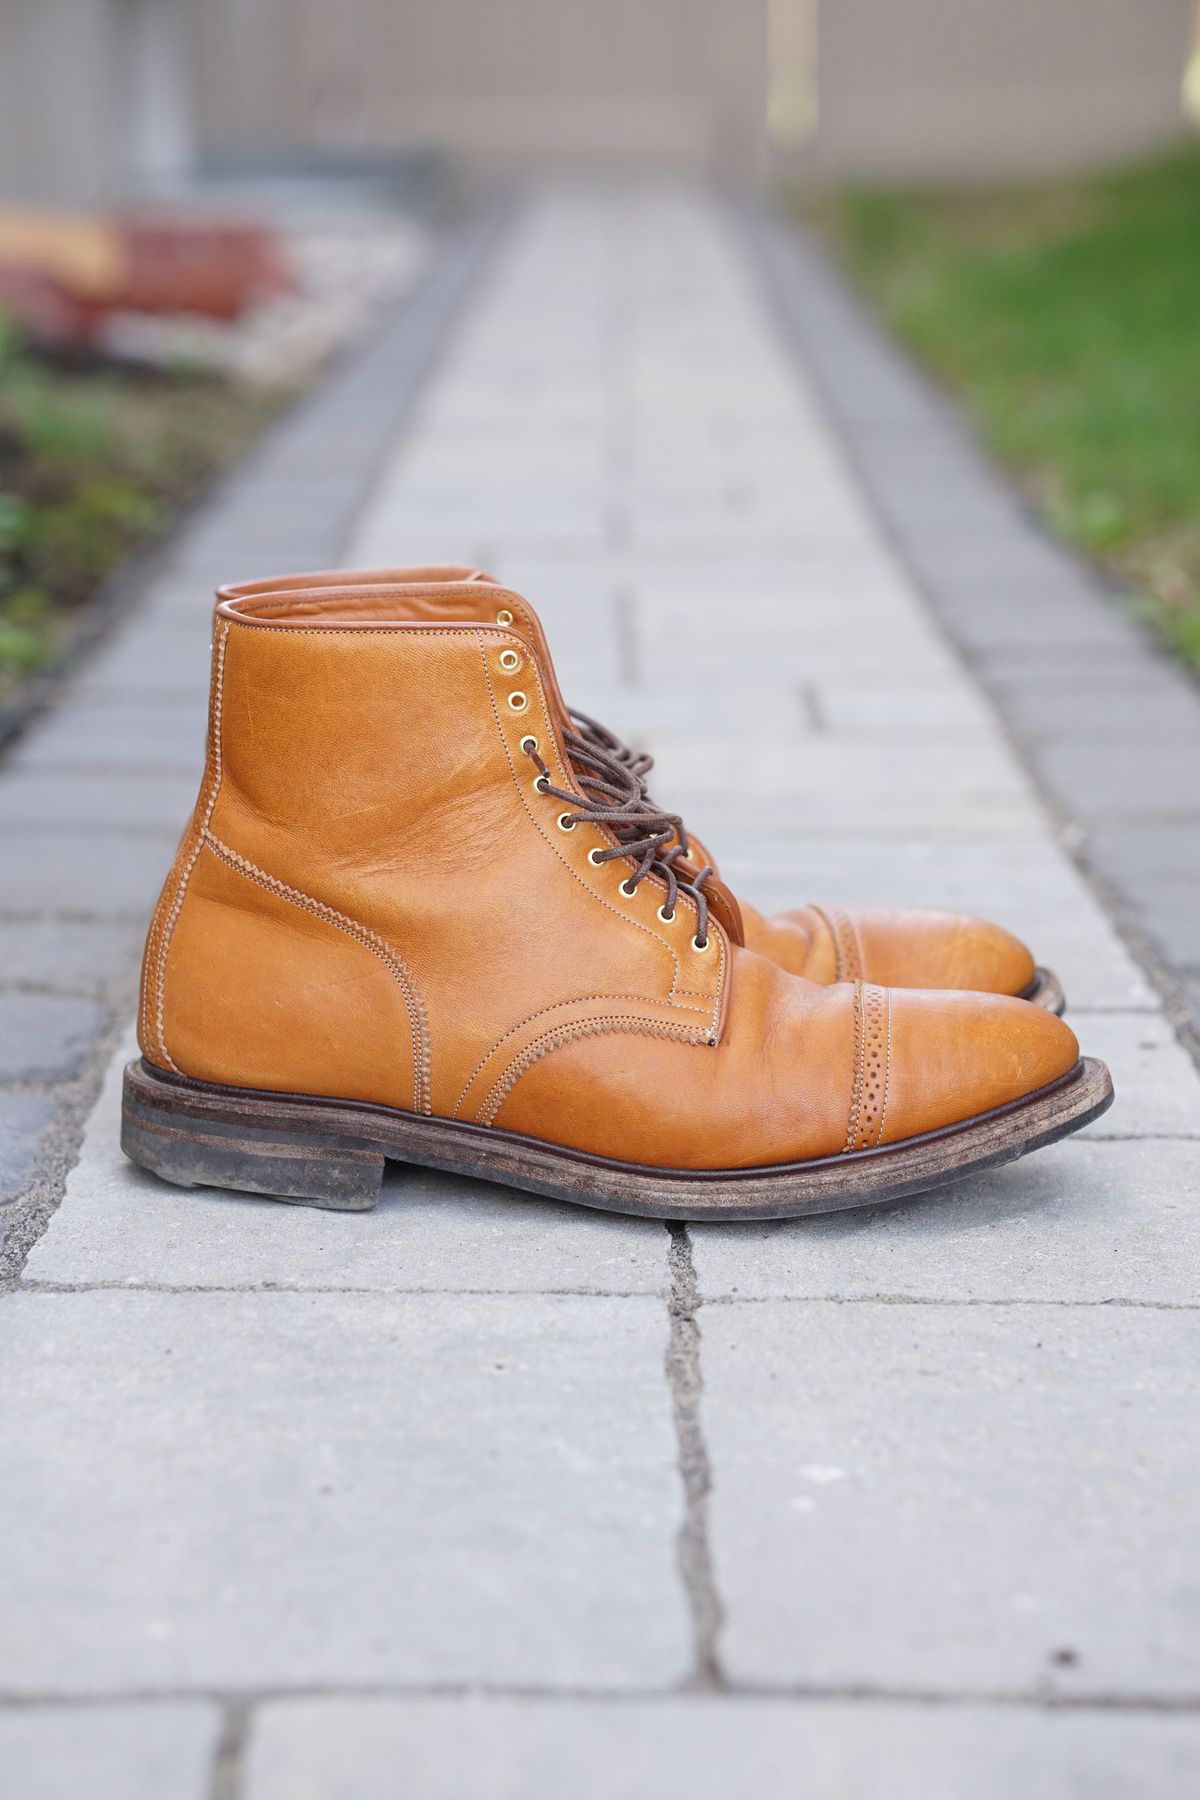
<point x="1191" y="999"/>
<point x="1077" y="1222"/>
<point x="1124" y="777"/>
<point x="839" y="780"/>
<point x="879" y="706"/>
<point x="169" y="661"/>
<point x="140" y="801"/>
<point x="1156" y="866"/>
<point x="208" y="569"/>
<point x="90" y="873"/>
<point x="883" y="803"/>
<point x="955" y="1498"/>
<point x="1157" y="1083"/>
<point x="278" y="1489"/>
<point x="47" y="1037"/>
<point x="432" y="1232"/>
<point x="65" y="953"/>
<point x="24" y="1119"/>
<point x="1030" y="887"/>
<point x="712" y="1749"/>
<point x="111" y="732"/>
<point x="163" y="1751"/>
<point x="1097" y="705"/>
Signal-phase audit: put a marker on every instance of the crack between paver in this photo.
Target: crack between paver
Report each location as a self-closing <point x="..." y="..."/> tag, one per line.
<point x="33" y="1285"/>
<point x="982" y="1301"/>
<point x="49" y="1288"/>
<point x="226" y="1781"/>
<point x="693" y="1549"/>
<point x="238" y="1708"/>
<point x="812" y="708"/>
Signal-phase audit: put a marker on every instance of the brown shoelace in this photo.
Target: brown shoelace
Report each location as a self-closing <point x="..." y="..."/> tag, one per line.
<point x="613" y="794"/>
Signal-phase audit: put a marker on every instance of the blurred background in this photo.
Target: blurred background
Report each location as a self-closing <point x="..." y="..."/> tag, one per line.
<point x="123" y="97"/>
<point x="203" y="203"/>
<point x="200" y="200"/>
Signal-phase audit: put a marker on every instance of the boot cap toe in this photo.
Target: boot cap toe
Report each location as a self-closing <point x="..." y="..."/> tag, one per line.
<point x="953" y="1056"/>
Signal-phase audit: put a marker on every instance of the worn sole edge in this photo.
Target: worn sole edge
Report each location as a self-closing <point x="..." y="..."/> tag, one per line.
<point x="331" y="1153"/>
<point x="1046" y="990"/>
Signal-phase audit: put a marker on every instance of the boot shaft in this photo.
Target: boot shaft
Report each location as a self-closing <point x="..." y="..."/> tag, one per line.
<point x="373" y="895"/>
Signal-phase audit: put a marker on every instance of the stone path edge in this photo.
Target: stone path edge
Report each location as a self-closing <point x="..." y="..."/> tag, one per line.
<point x="996" y="581"/>
<point x="376" y="382"/>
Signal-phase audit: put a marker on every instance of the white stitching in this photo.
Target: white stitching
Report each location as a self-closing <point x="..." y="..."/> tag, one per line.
<point x="555" y="1006"/>
<point x="361" y="934"/>
<point x="566" y="1034"/>
<point x="181" y="891"/>
<point x="655" y="937"/>
<point x="625" y="918"/>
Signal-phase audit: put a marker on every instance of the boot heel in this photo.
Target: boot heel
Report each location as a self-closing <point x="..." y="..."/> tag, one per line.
<point x="254" y="1145"/>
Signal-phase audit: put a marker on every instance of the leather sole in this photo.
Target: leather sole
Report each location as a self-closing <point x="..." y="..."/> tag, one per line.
<point x="1046" y="990"/>
<point x="331" y="1153"/>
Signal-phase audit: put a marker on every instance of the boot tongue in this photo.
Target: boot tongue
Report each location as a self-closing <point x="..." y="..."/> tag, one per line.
<point x="722" y="904"/>
<point x="721" y="900"/>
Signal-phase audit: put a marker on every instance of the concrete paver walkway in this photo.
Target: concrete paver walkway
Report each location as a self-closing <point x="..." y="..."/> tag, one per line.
<point x="480" y="1494"/>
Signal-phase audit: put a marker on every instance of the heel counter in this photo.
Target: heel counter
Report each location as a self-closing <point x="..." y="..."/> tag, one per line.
<point x="261" y="986"/>
<point x="151" y="1024"/>
<point x="151" y="1004"/>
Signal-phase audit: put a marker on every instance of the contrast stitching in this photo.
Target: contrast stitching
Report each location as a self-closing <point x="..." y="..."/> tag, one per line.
<point x="872" y="1072"/>
<point x="564" y="1034"/>
<point x="361" y="934"/>
<point x="856" y="1085"/>
<point x="545" y="836"/>
<point x="498" y="632"/>
<point x="847" y="949"/>
<point x="860" y="960"/>
<point x="486" y="634"/>
<point x="177" y="904"/>
<point x="555" y="1006"/>
<point x="655" y="937"/>
<point x="368" y="591"/>
<point x="887" y="1072"/>
<point x="150" y="968"/>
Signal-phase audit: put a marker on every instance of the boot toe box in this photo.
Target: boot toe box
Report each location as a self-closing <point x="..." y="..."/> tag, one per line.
<point x="941" y="950"/>
<point x="952" y="1056"/>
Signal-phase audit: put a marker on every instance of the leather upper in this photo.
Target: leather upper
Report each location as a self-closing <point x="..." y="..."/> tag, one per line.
<point x="891" y="946"/>
<point x="374" y="901"/>
<point x="898" y="948"/>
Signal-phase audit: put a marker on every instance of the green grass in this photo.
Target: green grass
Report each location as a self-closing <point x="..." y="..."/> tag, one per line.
<point x="1067" y="318"/>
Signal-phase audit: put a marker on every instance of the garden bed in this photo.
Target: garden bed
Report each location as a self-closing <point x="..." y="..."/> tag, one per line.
<point x="96" y="461"/>
<point x="1067" y="318"/>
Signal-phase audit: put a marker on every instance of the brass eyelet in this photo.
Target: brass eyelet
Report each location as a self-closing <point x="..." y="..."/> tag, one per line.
<point x="666" y="917"/>
<point x="595" y="857"/>
<point x="566" y="822"/>
<point x="517" y="702"/>
<point x="509" y="660"/>
<point x="541" y="785"/>
<point x="629" y="892"/>
<point x="504" y="617"/>
<point x="699" y="947"/>
<point x="529" y="743"/>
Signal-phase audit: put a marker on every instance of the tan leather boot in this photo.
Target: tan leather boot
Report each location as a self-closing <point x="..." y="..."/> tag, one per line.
<point x="405" y="922"/>
<point x="891" y="946"/>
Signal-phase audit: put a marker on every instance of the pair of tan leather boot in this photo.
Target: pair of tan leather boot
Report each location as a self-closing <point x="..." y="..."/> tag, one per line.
<point x="423" y="911"/>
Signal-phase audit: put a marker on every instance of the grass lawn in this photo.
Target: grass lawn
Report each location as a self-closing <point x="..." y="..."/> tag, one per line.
<point x="1067" y="317"/>
<point x="94" y="460"/>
